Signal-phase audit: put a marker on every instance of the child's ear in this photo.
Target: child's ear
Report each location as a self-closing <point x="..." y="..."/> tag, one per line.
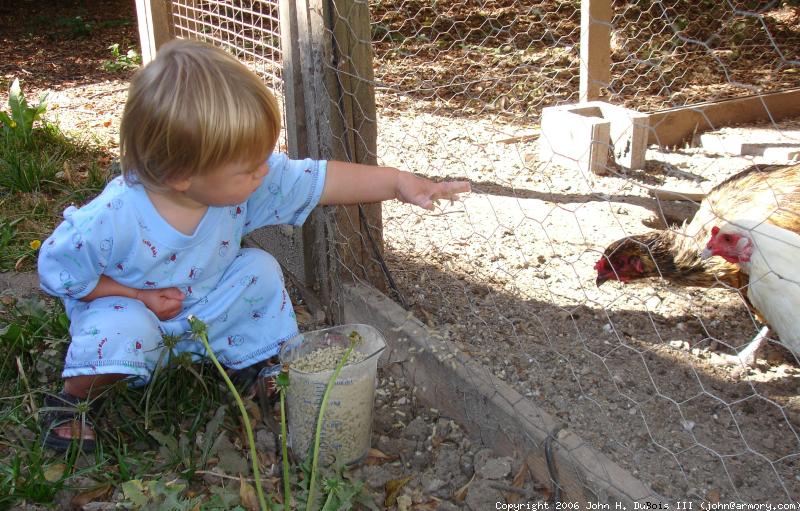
<point x="179" y="185"/>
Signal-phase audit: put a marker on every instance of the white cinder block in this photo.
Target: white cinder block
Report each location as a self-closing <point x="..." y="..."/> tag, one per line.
<point x="584" y="133"/>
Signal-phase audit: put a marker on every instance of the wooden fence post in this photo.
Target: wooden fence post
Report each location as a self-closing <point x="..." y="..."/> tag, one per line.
<point x="330" y="109"/>
<point x="595" y="56"/>
<point x="155" y="26"/>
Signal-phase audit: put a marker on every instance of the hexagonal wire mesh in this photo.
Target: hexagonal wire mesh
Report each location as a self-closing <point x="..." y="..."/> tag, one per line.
<point x="506" y="279"/>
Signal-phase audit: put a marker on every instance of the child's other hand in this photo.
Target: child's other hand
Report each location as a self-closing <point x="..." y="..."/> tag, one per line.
<point x="423" y="192"/>
<point x="165" y="303"/>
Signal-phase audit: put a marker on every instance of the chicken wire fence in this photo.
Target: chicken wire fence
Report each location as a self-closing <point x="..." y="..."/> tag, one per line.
<point x="619" y="392"/>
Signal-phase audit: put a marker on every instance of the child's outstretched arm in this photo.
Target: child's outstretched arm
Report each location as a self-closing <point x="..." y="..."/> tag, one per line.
<point x="352" y="183"/>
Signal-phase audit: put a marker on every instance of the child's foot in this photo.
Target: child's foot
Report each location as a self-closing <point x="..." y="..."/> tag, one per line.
<point x="64" y="421"/>
<point x="246" y="379"/>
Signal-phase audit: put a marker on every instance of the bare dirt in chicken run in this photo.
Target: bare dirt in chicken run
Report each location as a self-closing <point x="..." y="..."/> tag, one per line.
<point x="636" y="370"/>
<point x="506" y="277"/>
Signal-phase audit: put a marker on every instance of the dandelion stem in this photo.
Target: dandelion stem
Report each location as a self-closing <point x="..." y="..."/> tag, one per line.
<point x="200" y="331"/>
<point x="283" y="384"/>
<point x="320" y="419"/>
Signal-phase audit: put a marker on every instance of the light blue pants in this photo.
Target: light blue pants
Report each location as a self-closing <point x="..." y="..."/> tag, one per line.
<point x="248" y="315"/>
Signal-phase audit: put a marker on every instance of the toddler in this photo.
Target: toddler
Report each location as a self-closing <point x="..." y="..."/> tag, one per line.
<point x="162" y="241"/>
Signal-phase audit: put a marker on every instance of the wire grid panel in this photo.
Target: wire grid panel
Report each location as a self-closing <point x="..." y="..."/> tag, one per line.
<point x="250" y="30"/>
<point x="671" y="53"/>
<point x="510" y="277"/>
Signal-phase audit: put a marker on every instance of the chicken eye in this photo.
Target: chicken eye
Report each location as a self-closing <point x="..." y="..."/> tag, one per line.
<point x="726" y="238"/>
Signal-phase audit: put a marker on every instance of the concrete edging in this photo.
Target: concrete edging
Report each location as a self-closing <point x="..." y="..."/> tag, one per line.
<point x="490" y="410"/>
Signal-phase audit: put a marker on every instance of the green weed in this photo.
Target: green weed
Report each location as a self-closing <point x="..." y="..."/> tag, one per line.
<point x="122" y="62"/>
<point x="18" y="122"/>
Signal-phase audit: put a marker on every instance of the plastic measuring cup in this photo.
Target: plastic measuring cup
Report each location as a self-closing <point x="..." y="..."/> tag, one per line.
<point x="347" y="425"/>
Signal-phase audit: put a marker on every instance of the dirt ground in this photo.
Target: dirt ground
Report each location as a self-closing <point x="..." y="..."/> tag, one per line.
<point x="636" y="370"/>
<point x="507" y="276"/>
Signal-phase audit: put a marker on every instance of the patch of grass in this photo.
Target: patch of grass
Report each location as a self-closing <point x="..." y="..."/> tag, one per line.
<point x="32" y="166"/>
<point x="41" y="171"/>
<point x="32" y="333"/>
<point x="176" y="443"/>
<point x="25" y="477"/>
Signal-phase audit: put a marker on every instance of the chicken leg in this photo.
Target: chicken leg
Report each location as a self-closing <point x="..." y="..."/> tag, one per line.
<point x="748" y="355"/>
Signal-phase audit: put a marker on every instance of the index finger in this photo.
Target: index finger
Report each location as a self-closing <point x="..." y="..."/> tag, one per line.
<point x="450" y="189"/>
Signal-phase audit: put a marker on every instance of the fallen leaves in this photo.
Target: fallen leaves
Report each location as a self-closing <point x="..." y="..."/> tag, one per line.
<point x="99" y="492"/>
<point x="54" y="472"/>
<point x="393" y="488"/>
<point x="461" y="494"/>
<point x="518" y="482"/>
<point x="247" y="494"/>
<point x="376" y="457"/>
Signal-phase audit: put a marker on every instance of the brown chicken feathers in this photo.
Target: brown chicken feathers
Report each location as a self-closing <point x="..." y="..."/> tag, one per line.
<point x="771" y="193"/>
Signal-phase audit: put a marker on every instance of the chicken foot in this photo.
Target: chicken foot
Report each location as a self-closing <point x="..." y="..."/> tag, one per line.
<point x="747" y="356"/>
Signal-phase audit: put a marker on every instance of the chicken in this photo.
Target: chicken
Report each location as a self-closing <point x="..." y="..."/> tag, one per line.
<point x="768" y="193"/>
<point x="769" y="255"/>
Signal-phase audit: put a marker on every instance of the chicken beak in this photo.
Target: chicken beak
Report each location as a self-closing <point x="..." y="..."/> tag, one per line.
<point x="706" y="253"/>
<point x="601" y="279"/>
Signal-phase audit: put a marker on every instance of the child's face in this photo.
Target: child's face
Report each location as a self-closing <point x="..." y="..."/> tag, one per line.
<point x="227" y="185"/>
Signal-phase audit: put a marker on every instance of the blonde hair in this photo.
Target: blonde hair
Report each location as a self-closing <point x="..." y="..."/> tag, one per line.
<point x="191" y="110"/>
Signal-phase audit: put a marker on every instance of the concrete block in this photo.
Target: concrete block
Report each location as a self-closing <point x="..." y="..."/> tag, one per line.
<point x="573" y="137"/>
<point x="769" y="143"/>
<point x="584" y="133"/>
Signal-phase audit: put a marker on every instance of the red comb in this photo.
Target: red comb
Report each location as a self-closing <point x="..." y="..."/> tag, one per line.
<point x="714" y="230"/>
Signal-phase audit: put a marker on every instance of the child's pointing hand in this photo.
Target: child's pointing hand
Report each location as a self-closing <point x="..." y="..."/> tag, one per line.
<point x="423" y="192"/>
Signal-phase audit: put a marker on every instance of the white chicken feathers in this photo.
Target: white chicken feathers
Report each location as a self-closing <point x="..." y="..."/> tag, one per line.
<point x="774" y="270"/>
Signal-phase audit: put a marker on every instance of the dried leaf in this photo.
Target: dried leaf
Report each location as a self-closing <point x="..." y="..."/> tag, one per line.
<point x="713" y="495"/>
<point x="54" y="472"/>
<point x="376" y="457"/>
<point x="545" y="491"/>
<point x="96" y="493"/>
<point x="461" y="494"/>
<point x="247" y="494"/>
<point x="393" y="488"/>
<point x="18" y="264"/>
<point x="522" y="475"/>
<point x="404" y="503"/>
<point x="431" y="505"/>
<point x="302" y="315"/>
<point x="518" y="482"/>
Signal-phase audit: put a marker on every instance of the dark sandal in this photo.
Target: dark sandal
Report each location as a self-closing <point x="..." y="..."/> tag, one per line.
<point x="65" y="409"/>
<point x="246" y="379"/>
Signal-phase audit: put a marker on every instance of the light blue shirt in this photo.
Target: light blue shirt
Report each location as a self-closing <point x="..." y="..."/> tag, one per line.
<point x="120" y="234"/>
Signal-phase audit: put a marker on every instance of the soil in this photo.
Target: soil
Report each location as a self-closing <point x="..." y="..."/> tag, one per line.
<point x="636" y="370"/>
<point x="507" y="274"/>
